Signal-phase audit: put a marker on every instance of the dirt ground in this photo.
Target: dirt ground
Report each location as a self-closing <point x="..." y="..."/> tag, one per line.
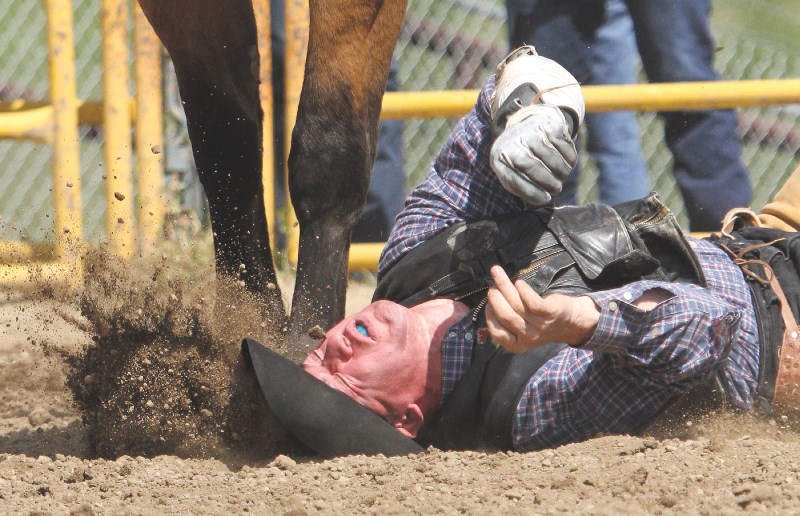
<point x="80" y="433"/>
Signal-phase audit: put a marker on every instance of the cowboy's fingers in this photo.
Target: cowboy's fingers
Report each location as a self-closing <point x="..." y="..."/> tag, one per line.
<point x="503" y="314"/>
<point x="558" y="139"/>
<point x="545" y="154"/>
<point x="504" y="286"/>
<point x="505" y="308"/>
<point x="534" y="154"/>
<point x="499" y="333"/>
<point x="535" y="305"/>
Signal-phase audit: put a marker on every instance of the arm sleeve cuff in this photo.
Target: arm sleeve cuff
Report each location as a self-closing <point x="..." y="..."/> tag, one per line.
<point x="621" y="324"/>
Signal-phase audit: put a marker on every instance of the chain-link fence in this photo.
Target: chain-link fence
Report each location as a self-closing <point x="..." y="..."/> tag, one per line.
<point x="457" y="43"/>
<point x="445" y="44"/>
<point x="26" y="206"/>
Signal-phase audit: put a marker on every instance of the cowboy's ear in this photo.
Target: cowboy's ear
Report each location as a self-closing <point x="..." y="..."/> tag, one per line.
<point x="411" y="421"/>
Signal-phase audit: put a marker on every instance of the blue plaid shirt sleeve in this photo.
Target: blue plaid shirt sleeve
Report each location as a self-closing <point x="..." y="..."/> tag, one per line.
<point x="651" y="339"/>
<point x="635" y="363"/>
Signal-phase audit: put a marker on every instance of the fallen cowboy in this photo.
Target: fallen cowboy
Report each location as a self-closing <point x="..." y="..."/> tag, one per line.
<point x="614" y="318"/>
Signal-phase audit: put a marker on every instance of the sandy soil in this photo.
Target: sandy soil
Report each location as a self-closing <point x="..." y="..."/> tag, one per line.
<point x="169" y="457"/>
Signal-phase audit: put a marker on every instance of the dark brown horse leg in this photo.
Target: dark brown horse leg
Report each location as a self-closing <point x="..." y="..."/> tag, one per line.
<point x="214" y="48"/>
<point x="333" y="147"/>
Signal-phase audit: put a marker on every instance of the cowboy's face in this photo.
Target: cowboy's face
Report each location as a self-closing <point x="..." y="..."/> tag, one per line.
<point x="380" y="357"/>
<point x="377" y="357"/>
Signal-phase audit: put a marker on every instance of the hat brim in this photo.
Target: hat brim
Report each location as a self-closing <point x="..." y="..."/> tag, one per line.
<point x="322" y="418"/>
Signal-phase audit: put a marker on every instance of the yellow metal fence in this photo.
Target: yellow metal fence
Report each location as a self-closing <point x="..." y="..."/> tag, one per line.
<point x="56" y="123"/>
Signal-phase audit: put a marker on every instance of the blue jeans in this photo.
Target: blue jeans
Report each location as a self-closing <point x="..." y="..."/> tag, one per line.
<point x="675" y="45"/>
<point x="613" y="139"/>
<point x="597" y="48"/>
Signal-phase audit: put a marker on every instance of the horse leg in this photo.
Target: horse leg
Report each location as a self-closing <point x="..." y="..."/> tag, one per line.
<point x="333" y="147"/>
<point x="214" y="48"/>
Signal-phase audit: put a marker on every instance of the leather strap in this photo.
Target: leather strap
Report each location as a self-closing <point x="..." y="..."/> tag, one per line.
<point x="787" y="383"/>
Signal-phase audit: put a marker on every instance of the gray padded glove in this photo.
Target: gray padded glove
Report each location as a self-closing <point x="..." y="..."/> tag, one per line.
<point x="534" y="154"/>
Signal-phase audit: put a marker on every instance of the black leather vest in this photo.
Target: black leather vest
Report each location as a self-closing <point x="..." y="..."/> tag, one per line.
<point x="570" y="250"/>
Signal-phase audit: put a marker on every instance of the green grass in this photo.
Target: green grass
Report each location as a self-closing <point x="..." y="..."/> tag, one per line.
<point x="774" y="21"/>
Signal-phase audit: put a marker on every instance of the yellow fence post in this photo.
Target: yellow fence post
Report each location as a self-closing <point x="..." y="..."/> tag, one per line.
<point x="149" y="131"/>
<point x="262" y="13"/>
<point x="297" y="27"/>
<point x="117" y="119"/>
<point x="66" y="154"/>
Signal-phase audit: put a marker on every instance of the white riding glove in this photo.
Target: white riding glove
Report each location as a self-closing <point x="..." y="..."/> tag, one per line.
<point x="534" y="150"/>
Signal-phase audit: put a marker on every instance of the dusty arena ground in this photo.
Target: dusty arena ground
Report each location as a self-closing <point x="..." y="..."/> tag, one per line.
<point x="118" y="400"/>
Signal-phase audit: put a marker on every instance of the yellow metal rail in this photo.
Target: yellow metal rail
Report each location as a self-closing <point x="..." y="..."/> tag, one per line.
<point x="297" y="26"/>
<point x="66" y="162"/>
<point x="117" y="151"/>
<point x="365" y="256"/>
<point x="455" y="103"/>
<point x="16" y="275"/>
<point x="261" y="9"/>
<point x="25" y="120"/>
<point x="637" y="97"/>
<point x="25" y="252"/>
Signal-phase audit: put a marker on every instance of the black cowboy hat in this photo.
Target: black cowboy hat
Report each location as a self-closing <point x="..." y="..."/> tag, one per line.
<point x="320" y="417"/>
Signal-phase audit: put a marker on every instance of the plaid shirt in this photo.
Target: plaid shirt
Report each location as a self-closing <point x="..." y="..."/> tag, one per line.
<point x="636" y="361"/>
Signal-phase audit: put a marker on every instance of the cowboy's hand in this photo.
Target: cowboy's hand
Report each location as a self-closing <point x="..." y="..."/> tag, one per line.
<point x="534" y="154"/>
<point x="519" y="319"/>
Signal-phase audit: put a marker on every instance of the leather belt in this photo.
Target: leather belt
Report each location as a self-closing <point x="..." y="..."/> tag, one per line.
<point x="787" y="384"/>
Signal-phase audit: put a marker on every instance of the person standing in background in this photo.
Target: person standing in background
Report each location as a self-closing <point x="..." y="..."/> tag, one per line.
<point x="675" y="44"/>
<point x="606" y="52"/>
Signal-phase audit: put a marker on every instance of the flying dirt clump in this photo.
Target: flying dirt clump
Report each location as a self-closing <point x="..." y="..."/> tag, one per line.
<point x="164" y="374"/>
